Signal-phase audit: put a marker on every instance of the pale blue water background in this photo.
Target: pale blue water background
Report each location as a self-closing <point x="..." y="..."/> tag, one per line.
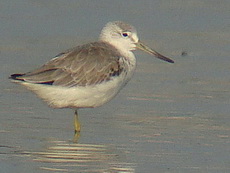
<point x="172" y="118"/>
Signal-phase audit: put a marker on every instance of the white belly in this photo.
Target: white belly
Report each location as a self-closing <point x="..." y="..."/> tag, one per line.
<point x="84" y="96"/>
<point x="78" y="97"/>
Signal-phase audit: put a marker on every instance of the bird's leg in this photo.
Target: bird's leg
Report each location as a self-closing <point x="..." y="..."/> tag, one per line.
<point x="77" y="128"/>
<point x="77" y="125"/>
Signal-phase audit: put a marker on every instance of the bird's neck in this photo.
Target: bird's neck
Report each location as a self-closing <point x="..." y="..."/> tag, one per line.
<point x="122" y="48"/>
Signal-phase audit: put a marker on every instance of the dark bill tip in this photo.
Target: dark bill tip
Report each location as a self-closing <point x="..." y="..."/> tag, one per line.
<point x="164" y="58"/>
<point x="145" y="48"/>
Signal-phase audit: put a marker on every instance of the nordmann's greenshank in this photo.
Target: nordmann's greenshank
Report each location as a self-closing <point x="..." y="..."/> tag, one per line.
<point x="89" y="75"/>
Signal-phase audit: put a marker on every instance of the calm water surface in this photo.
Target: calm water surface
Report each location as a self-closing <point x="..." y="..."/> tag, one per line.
<point x="170" y="117"/>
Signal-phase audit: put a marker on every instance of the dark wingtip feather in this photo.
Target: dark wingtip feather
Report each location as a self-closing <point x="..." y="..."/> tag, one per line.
<point x="15" y="77"/>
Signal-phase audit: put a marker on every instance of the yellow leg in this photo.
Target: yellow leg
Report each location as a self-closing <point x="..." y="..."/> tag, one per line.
<point x="77" y="125"/>
<point x="76" y="137"/>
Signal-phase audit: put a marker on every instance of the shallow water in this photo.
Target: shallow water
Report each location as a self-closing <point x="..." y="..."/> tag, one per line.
<point x="169" y="118"/>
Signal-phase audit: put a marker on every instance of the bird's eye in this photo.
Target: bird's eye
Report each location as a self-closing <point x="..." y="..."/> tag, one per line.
<point x="125" y="34"/>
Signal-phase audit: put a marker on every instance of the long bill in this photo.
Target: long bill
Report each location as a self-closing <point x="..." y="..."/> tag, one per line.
<point x="145" y="48"/>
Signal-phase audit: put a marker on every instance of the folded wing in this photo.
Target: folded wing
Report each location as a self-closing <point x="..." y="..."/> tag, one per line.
<point x="89" y="64"/>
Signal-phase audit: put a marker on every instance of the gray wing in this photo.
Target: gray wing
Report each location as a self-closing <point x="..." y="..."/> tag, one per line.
<point x="84" y="65"/>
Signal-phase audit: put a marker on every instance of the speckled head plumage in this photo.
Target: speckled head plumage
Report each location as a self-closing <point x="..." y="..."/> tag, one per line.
<point x="120" y="34"/>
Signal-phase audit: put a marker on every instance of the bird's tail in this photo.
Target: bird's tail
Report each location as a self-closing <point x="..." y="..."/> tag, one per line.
<point x="16" y="77"/>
